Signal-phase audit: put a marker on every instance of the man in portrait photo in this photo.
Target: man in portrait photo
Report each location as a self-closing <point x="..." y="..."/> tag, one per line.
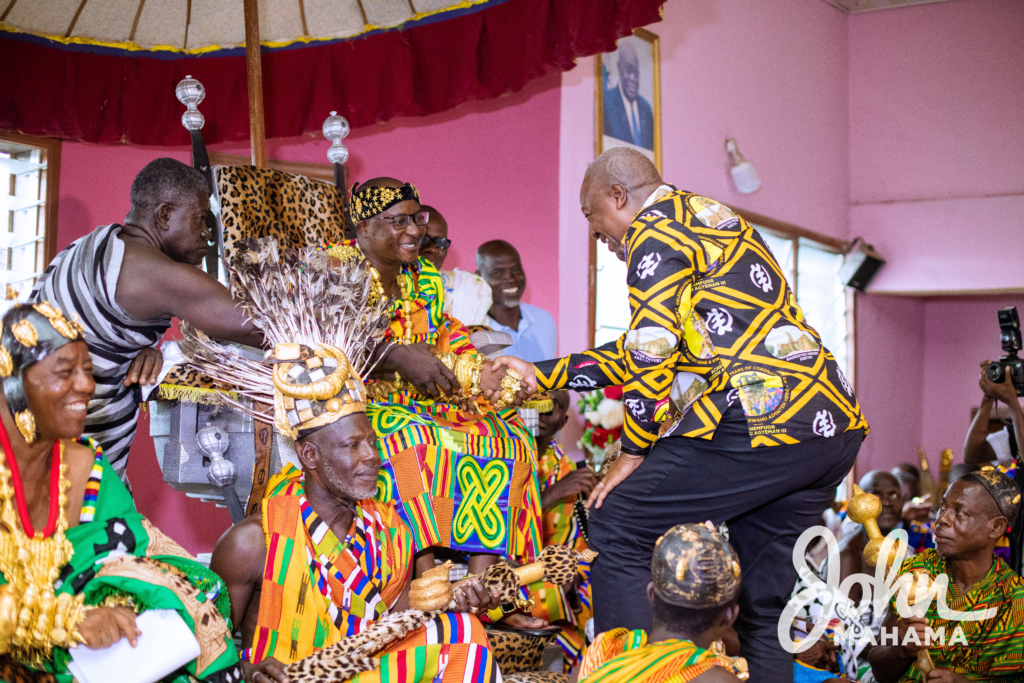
<point x="627" y="115"/>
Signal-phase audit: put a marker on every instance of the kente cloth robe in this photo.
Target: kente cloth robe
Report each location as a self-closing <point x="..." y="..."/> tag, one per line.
<point x="622" y="655"/>
<point x="995" y="647"/>
<point x="119" y="554"/>
<point x="318" y="589"/>
<point x="460" y="480"/>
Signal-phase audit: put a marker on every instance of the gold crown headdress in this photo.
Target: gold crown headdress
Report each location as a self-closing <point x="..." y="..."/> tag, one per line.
<point x="321" y="329"/>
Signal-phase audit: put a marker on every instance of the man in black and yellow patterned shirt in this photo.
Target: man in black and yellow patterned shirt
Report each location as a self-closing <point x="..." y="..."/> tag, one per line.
<point x="757" y="423"/>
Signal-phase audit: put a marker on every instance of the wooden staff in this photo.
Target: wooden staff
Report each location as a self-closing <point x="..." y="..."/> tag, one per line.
<point x="254" y="76"/>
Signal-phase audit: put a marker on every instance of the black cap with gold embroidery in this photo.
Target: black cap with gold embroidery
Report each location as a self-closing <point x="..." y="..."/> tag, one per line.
<point x="1001" y="487"/>
<point x="368" y="202"/>
<point x="695" y="567"/>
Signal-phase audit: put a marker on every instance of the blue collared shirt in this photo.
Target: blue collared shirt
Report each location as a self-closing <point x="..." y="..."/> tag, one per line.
<point x="535" y="340"/>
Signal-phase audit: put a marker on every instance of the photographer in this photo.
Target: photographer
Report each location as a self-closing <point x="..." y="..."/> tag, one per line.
<point x="981" y="447"/>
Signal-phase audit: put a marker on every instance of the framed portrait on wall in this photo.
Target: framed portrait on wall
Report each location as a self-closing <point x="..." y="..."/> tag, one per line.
<point x="629" y="96"/>
<point x="628" y="102"/>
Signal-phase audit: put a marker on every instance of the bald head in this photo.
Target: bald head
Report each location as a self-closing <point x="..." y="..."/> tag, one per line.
<point x="614" y="190"/>
<point x="622" y="166"/>
<point x="875" y="477"/>
<point x="494" y="248"/>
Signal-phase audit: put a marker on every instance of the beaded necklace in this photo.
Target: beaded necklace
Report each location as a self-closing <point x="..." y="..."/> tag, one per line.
<point x="407" y="283"/>
<point x="31" y="615"/>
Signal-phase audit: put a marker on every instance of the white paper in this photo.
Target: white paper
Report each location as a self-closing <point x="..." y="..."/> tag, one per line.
<point x="166" y="644"/>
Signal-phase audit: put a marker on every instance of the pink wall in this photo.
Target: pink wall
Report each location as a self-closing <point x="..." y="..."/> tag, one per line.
<point x="773" y="75"/>
<point x="960" y="332"/>
<point x="917" y="371"/>
<point x="890" y="367"/>
<point x="936" y="113"/>
<point x="490" y="167"/>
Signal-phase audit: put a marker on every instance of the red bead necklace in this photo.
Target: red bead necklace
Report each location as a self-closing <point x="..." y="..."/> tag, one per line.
<point x="19" y="492"/>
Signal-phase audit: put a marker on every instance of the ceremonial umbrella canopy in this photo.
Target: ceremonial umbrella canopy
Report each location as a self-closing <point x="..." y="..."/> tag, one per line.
<point x="105" y="70"/>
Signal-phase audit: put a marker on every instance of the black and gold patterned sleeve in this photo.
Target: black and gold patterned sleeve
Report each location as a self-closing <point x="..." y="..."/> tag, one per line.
<point x="662" y="257"/>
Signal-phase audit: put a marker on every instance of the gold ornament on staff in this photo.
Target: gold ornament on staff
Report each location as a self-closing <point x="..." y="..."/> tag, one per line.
<point x="558" y="564"/>
<point x="919" y="588"/>
<point x="864" y="508"/>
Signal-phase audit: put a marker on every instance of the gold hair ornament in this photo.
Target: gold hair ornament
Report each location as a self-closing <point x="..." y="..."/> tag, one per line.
<point x="57" y="320"/>
<point x="25" y="333"/>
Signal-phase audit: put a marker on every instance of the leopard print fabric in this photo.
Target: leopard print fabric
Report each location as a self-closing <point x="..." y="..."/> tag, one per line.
<point x="537" y="677"/>
<point x="560" y="564"/>
<point x="516" y="652"/>
<point x="501" y="580"/>
<point x="13" y="672"/>
<point x="263" y="202"/>
<point x="353" y="655"/>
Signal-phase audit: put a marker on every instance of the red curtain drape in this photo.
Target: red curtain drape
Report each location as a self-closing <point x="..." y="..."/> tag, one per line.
<point x="103" y="96"/>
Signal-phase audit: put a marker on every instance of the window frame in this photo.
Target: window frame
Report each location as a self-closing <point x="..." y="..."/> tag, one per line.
<point x="52" y="148"/>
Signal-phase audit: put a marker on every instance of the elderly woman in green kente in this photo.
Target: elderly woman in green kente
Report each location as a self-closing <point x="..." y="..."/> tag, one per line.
<point x="77" y="561"/>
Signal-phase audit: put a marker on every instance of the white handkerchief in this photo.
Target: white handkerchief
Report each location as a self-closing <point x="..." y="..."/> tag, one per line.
<point x="166" y="644"/>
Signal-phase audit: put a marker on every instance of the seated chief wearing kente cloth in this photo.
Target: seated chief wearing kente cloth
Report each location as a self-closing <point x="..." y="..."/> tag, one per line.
<point x="324" y="563"/>
<point x="695" y="582"/>
<point x="461" y="472"/>
<point x="77" y="561"/>
<point x="971" y="519"/>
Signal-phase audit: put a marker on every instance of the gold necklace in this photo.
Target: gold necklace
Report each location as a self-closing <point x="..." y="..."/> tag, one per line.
<point x="33" y="620"/>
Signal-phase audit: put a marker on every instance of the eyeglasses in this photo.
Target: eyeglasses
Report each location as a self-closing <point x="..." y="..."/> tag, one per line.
<point x="399" y="223"/>
<point x="438" y="242"/>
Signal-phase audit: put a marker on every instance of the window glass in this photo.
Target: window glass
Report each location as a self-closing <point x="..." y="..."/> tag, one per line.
<point x="23" y="214"/>
<point x="782" y="249"/>
<point x="822" y="297"/>
<point x="611" y="314"/>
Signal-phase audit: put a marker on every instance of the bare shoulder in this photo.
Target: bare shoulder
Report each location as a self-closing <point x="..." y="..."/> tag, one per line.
<point x="241" y="551"/>
<point x="716" y="674"/>
<point x="79" y="459"/>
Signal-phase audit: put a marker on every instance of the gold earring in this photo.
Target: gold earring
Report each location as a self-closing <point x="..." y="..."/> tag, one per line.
<point x="26" y="422"/>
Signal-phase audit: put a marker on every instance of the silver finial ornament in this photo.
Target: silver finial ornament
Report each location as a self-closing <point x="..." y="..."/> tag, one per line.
<point x="336" y="129"/>
<point x="213" y="442"/>
<point x="191" y="92"/>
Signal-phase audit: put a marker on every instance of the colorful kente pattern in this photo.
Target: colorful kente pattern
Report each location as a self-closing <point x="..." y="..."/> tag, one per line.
<point x="92" y="486"/>
<point x="624" y="655"/>
<point x="561" y="527"/>
<point x="713" y="321"/>
<point x="995" y="647"/>
<point x="316" y="589"/>
<point x="356" y="581"/>
<point x="460" y="480"/>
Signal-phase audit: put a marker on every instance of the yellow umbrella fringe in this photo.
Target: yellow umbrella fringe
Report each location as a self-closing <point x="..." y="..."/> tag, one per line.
<point x="177" y="392"/>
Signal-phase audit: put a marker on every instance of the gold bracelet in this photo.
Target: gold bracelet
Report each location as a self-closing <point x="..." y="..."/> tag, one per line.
<point x="467" y="368"/>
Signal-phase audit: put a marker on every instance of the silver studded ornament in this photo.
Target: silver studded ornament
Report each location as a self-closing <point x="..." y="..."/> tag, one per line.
<point x="213" y="443"/>
<point x="191" y="92"/>
<point x="336" y="129"/>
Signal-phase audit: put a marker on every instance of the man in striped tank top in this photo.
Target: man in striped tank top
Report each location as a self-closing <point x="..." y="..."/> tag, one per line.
<point x="125" y="283"/>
